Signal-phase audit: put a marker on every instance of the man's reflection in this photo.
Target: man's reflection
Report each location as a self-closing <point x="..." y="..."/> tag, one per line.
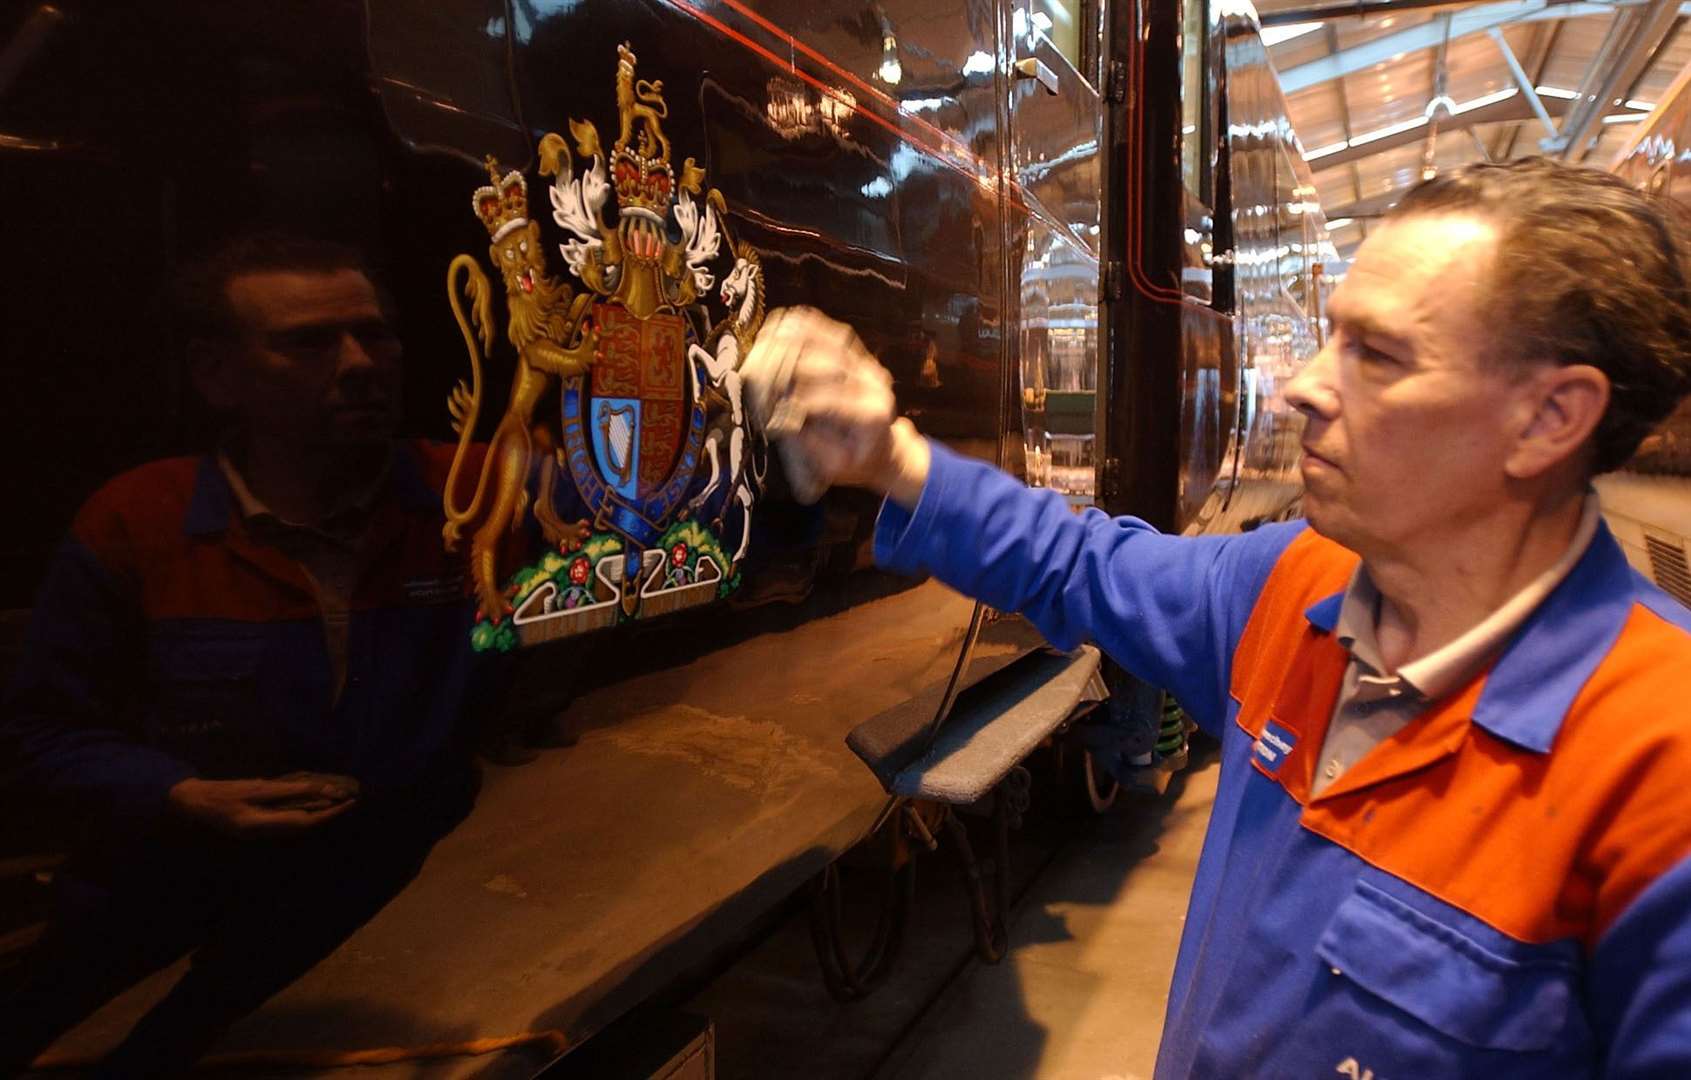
<point x="246" y="671"/>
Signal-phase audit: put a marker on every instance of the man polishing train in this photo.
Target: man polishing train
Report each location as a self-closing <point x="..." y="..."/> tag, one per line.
<point x="1452" y="835"/>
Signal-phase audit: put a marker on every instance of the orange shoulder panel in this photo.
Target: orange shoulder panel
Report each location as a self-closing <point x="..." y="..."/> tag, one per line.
<point x="135" y="526"/>
<point x="435" y="461"/>
<point x="1540" y="846"/>
<point x="1311" y="569"/>
<point x="137" y="512"/>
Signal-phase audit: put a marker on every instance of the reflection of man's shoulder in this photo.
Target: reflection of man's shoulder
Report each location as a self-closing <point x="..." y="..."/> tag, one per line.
<point x="142" y="506"/>
<point x="434" y="461"/>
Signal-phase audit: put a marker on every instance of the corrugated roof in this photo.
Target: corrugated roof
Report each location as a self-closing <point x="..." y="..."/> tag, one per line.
<point x="1361" y="87"/>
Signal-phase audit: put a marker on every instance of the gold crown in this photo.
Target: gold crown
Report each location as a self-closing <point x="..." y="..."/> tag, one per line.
<point x="502" y="205"/>
<point x="640" y="166"/>
<point x="647" y="183"/>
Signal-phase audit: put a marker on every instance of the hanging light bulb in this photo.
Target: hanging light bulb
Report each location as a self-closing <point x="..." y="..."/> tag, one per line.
<point x="891" y="70"/>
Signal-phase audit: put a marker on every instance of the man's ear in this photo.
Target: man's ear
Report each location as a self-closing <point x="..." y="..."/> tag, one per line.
<point x="211" y="369"/>
<point x="1565" y="403"/>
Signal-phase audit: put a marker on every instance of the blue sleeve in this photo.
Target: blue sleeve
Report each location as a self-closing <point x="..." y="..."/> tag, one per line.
<point x="1639" y="993"/>
<point x="63" y="730"/>
<point x="1169" y="609"/>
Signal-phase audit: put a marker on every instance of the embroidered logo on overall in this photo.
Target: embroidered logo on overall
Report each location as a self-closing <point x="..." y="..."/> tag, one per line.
<point x="1273" y="747"/>
<point x="1351" y="1068"/>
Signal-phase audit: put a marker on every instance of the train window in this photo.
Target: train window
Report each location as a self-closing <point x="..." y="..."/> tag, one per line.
<point x="1194" y="40"/>
<point x="1197" y="200"/>
<point x="1071" y="26"/>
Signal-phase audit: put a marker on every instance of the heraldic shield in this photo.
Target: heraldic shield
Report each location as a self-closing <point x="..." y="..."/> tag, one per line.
<point x="651" y="465"/>
<point x="638" y="413"/>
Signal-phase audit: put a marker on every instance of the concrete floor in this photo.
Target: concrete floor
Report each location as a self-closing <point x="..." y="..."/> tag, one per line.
<point x="1081" y="995"/>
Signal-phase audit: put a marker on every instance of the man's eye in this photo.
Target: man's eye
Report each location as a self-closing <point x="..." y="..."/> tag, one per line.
<point x="1364" y="351"/>
<point x="377" y="338"/>
<point x="309" y="338"/>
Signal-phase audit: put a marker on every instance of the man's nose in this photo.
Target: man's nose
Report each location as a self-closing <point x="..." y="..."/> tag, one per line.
<point x="353" y="358"/>
<point x="1311" y="390"/>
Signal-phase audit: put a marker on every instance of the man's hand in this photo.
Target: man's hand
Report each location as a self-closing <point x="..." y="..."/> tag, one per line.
<point x="290" y="804"/>
<point x="814" y="386"/>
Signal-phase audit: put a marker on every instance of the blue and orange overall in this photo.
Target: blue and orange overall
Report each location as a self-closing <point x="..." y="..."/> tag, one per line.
<point x="1502" y="888"/>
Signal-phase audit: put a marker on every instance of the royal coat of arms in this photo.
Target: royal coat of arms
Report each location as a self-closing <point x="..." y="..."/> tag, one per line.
<point x="648" y="468"/>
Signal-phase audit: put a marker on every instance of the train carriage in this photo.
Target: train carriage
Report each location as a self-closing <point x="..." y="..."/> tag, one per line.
<point x="1645" y="503"/>
<point x="1081" y="236"/>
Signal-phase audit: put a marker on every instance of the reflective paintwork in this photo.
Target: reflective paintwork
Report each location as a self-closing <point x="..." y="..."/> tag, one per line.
<point x="1055" y="244"/>
<point x="1223" y="294"/>
<point x="1281" y="249"/>
<point x="884" y="163"/>
<point x="709" y="769"/>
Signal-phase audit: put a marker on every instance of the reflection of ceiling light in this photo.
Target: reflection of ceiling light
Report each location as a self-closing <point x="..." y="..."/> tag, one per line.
<point x="1041" y="22"/>
<point x="1625" y="118"/>
<point x="1338" y="223"/>
<point x="1274" y="35"/>
<point x="1237" y="9"/>
<point x="891" y="71"/>
<point x="1060" y="11"/>
<point x="1390" y="129"/>
<point x="1189" y="129"/>
<point x="1443" y="101"/>
<point x="790" y="110"/>
<point x="835" y="108"/>
<point x="878" y="188"/>
<point x="1557" y="92"/>
<point x="978" y="63"/>
<point x="1456" y="108"/>
<point x="1483" y="100"/>
<point x="1323" y="151"/>
<point x="1643" y="105"/>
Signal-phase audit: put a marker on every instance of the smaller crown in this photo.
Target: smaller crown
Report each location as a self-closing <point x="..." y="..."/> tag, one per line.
<point x="502" y="205"/>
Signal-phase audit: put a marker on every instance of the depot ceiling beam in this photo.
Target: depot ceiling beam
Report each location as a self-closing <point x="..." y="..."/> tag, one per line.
<point x="1370" y="208"/>
<point x="1613" y="74"/>
<point x="1620" y="32"/>
<point x="1344" y="111"/>
<point x="1525" y="85"/>
<point x="1361" y="9"/>
<point x="1634" y="90"/>
<point x="1501" y="112"/>
<point x="1429" y="34"/>
<point x="1545" y="37"/>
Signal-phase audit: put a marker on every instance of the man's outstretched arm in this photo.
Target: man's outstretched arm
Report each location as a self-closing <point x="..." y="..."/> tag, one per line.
<point x="1169" y="609"/>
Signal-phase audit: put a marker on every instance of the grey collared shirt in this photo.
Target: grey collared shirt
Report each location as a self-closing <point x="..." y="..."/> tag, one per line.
<point x="1375" y="702"/>
<point x="332" y="555"/>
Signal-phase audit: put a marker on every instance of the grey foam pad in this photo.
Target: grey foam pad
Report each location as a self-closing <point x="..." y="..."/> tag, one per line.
<point x="992" y="727"/>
